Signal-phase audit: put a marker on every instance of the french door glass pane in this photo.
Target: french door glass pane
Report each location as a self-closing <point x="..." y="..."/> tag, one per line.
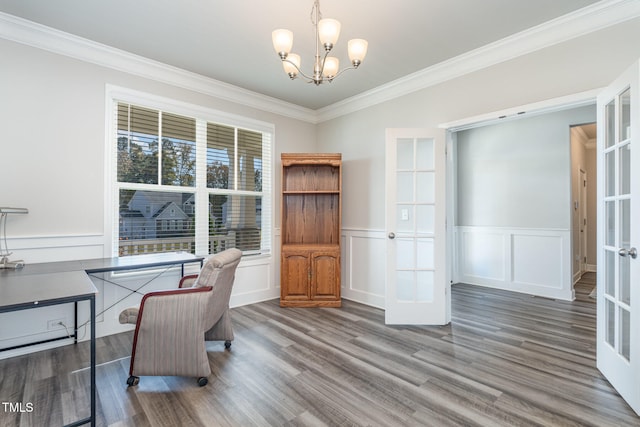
<point x="425" y="184"/>
<point x="424" y="286"/>
<point x="610" y="223"/>
<point x="425" y="219"/>
<point x="610" y="118"/>
<point x="404" y="286"/>
<point x="625" y="113"/>
<point x="424" y="254"/>
<point x="610" y="273"/>
<point x="404" y="190"/>
<point x="625" y="282"/>
<point x="405" y="218"/>
<point x="405" y="254"/>
<point x="625" y="333"/>
<point x="405" y="154"/>
<point x="610" y="173"/>
<point x="610" y="316"/>
<point x="625" y="169"/>
<point x="424" y="154"/>
<point x="625" y="224"/>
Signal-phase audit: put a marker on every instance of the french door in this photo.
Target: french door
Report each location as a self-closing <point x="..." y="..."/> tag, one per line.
<point x="417" y="287"/>
<point x="618" y="340"/>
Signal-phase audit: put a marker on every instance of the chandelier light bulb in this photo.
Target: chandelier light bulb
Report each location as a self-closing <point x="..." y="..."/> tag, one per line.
<point x="331" y="66"/>
<point x="357" y="51"/>
<point x="292" y="61"/>
<point x="328" y="32"/>
<point x="282" y="42"/>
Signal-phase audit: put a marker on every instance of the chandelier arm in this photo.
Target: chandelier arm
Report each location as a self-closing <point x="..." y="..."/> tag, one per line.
<point x="324" y="58"/>
<point x="297" y="68"/>
<point x="342" y="71"/>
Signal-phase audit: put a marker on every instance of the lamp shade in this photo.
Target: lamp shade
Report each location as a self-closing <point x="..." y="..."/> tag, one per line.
<point x="331" y="66"/>
<point x="357" y="51"/>
<point x="288" y="66"/>
<point x="282" y="41"/>
<point x="328" y="32"/>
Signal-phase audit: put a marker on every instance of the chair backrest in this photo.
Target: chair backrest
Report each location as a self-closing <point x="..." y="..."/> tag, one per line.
<point x="219" y="272"/>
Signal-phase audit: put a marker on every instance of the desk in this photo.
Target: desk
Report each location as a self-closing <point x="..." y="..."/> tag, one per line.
<point x="90" y="267"/>
<point x="26" y="291"/>
<point x="46" y="284"/>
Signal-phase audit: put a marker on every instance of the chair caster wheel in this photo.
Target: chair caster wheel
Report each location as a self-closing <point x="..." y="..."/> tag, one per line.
<point x="203" y="381"/>
<point x="133" y="380"/>
<point x="227" y="344"/>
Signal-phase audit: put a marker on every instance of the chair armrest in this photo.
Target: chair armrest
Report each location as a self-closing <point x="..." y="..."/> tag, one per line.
<point x="129" y="316"/>
<point x="187" y="281"/>
<point x="167" y="323"/>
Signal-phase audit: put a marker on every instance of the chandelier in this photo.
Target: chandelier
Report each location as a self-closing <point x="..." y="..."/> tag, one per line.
<point x="325" y="67"/>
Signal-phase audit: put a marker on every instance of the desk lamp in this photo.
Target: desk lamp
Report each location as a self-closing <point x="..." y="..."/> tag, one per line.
<point x="4" y="251"/>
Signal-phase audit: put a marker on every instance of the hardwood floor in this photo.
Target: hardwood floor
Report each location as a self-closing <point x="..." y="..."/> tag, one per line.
<point x="506" y="359"/>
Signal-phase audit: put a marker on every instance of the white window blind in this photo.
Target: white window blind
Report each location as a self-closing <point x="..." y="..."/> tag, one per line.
<point x="170" y="165"/>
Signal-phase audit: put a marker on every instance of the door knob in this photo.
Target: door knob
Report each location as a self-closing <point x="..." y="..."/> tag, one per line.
<point x="392" y="235"/>
<point x="633" y="252"/>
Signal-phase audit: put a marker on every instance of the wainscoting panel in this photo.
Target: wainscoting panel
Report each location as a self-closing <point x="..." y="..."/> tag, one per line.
<point x="532" y="261"/>
<point x="536" y="260"/>
<point x="255" y="281"/>
<point x="482" y="255"/>
<point x="364" y="266"/>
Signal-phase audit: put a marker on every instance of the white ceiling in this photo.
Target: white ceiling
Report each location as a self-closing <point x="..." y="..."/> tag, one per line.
<point x="230" y="40"/>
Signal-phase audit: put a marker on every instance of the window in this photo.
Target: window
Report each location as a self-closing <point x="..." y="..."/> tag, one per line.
<point x="184" y="181"/>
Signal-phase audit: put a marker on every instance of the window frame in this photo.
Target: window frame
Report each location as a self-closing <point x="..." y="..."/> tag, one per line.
<point x="203" y="115"/>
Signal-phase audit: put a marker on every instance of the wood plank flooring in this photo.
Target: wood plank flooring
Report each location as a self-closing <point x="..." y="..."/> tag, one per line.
<point x="506" y="359"/>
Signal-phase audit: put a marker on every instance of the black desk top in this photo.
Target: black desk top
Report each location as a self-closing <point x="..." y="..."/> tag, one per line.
<point x="48" y="283"/>
<point x="31" y="290"/>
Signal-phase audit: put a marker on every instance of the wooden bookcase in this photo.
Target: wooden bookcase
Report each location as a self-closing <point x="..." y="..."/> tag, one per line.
<point x="311" y="226"/>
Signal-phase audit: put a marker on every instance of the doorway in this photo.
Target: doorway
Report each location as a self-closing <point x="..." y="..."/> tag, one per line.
<point x="583" y="206"/>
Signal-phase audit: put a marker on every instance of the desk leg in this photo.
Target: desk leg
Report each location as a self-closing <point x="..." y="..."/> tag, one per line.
<point x="93" y="360"/>
<point x="75" y="322"/>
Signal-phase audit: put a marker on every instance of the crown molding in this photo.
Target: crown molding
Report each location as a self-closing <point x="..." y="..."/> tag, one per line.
<point x="592" y="18"/>
<point x="600" y="15"/>
<point x="42" y="37"/>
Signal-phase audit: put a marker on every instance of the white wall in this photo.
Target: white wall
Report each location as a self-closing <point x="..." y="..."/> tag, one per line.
<point x="52" y="161"/>
<point x="518" y="173"/>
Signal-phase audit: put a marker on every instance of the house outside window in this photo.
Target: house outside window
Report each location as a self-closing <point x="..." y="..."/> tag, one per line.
<point x="186" y="182"/>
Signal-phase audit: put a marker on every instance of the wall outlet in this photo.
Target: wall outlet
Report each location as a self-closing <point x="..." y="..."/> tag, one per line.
<point x="56" y="324"/>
